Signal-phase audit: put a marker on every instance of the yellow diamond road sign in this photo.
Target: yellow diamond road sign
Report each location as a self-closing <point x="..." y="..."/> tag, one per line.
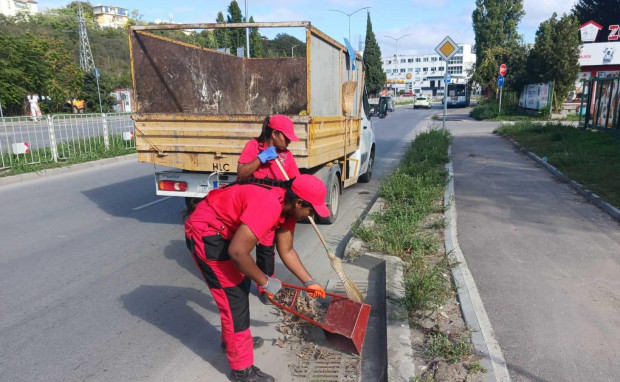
<point x="447" y="48"/>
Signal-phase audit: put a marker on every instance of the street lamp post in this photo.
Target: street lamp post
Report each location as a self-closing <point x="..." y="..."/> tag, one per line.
<point x="396" y="39"/>
<point x="349" y="16"/>
<point x="247" y="31"/>
<point x="293" y="47"/>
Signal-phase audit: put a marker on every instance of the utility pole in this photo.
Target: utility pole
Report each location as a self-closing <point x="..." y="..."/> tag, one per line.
<point x="247" y="31"/>
<point x="397" y="71"/>
<point x="349" y="16"/>
<point x="87" y="63"/>
<point x="293" y="47"/>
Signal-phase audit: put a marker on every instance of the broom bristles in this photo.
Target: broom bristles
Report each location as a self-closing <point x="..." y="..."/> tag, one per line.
<point x="349" y="287"/>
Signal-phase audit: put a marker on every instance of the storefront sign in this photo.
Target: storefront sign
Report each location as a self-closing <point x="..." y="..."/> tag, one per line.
<point x="601" y="53"/>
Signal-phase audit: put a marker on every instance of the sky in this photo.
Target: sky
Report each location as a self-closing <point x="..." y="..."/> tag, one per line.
<point x="426" y="22"/>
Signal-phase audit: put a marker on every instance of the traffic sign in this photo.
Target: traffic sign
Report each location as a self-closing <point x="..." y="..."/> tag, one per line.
<point x="502" y="70"/>
<point x="447" y="48"/>
<point x="500" y="81"/>
<point x="20" y="148"/>
<point x="448" y="78"/>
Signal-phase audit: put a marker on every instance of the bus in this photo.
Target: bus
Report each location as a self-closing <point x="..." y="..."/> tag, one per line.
<point x="458" y="95"/>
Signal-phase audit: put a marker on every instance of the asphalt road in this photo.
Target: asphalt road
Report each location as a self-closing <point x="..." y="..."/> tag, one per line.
<point x="96" y="283"/>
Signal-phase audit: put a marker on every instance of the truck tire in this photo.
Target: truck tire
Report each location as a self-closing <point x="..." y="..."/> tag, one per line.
<point x="334" y="200"/>
<point x="365" y="177"/>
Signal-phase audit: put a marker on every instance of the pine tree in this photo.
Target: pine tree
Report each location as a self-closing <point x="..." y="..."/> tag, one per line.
<point x="237" y="35"/>
<point x="555" y="56"/>
<point x="256" y="42"/>
<point x="375" y="76"/>
<point x="222" y="39"/>
<point x="495" y="26"/>
<point x="604" y="12"/>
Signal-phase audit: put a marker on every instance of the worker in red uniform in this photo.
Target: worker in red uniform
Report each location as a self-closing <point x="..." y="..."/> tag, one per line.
<point x="221" y="232"/>
<point x="257" y="160"/>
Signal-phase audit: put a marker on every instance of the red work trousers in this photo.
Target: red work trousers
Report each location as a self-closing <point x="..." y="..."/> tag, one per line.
<point x="230" y="289"/>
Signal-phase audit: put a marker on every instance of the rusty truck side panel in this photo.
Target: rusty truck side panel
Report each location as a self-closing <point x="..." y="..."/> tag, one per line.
<point x="174" y="77"/>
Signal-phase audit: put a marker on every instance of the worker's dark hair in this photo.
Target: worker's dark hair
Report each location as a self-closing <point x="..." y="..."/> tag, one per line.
<point x="265" y="133"/>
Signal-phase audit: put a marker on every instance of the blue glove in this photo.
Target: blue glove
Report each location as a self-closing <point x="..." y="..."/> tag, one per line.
<point x="267" y="155"/>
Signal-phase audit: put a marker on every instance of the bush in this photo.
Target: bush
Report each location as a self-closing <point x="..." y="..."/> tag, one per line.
<point x="487" y="110"/>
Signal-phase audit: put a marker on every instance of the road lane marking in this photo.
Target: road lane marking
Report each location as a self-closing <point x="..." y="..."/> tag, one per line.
<point x="151" y="203"/>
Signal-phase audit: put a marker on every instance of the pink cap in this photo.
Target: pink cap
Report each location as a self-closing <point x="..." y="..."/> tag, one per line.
<point x="312" y="190"/>
<point x="284" y="124"/>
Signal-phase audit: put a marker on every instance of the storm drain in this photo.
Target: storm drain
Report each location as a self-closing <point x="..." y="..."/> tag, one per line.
<point x="336" y="286"/>
<point x="342" y="368"/>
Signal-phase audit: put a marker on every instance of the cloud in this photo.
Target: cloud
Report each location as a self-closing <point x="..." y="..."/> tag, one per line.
<point x="537" y="11"/>
<point x="424" y="38"/>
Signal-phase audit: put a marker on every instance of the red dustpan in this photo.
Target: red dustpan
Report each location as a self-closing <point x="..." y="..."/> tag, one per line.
<point x="345" y="323"/>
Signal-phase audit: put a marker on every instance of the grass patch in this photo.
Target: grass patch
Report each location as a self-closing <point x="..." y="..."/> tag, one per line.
<point x="78" y="151"/>
<point x="589" y="157"/>
<point x="405" y="102"/>
<point x="476" y="368"/>
<point x="403" y="228"/>
<point x="452" y="350"/>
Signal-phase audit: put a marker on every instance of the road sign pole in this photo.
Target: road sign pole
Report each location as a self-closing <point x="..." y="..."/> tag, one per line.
<point x="501" y="90"/>
<point x="445" y="90"/>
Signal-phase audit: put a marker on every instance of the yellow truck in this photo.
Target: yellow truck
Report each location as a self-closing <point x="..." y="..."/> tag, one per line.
<point x="196" y="108"/>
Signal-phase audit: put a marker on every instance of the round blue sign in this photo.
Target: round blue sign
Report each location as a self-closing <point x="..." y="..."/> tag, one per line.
<point x="500" y="81"/>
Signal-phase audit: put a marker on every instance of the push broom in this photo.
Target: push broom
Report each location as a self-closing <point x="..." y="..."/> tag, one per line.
<point x="351" y="290"/>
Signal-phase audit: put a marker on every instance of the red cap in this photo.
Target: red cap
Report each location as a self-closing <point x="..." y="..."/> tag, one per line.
<point x="284" y="124"/>
<point x="312" y="190"/>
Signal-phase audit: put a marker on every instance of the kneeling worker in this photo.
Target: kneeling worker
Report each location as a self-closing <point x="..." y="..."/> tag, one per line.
<point x="221" y="232"/>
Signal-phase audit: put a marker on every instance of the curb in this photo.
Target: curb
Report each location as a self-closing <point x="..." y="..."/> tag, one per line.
<point x="472" y="308"/>
<point x="62" y="170"/>
<point x="590" y="196"/>
<point x="399" y="357"/>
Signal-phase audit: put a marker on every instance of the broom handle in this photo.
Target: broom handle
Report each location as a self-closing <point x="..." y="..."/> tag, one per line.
<point x="316" y="229"/>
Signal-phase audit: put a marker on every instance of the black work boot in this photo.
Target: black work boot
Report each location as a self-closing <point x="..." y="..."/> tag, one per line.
<point x="251" y="374"/>
<point x="256" y="343"/>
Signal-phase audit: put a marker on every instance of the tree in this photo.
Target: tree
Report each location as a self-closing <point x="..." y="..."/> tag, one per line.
<point x="495" y="27"/>
<point x="237" y="35"/>
<point x="555" y="56"/>
<point x="221" y="35"/>
<point x="375" y="76"/>
<point x="256" y="42"/>
<point x="281" y="46"/>
<point x="91" y="96"/>
<point x="604" y="12"/>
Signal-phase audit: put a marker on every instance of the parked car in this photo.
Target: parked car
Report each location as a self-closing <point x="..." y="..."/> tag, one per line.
<point x="422" y="102"/>
<point x="390" y="103"/>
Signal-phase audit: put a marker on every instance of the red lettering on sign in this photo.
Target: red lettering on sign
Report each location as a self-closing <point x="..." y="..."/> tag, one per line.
<point x="614" y="35"/>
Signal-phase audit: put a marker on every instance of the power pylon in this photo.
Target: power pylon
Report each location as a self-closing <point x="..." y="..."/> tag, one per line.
<point x="86" y="56"/>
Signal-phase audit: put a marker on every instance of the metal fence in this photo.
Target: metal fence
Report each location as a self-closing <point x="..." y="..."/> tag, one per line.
<point x="601" y="104"/>
<point x="27" y="141"/>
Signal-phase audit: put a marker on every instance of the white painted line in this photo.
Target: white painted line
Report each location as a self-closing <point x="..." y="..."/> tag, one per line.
<point x="151" y="203"/>
<point x="483" y="336"/>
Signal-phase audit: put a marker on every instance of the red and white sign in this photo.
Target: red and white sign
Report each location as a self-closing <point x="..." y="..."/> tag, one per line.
<point x="20" y="148"/>
<point x="589" y="31"/>
<point x="502" y="70"/>
<point x="615" y="33"/>
<point x="127" y="135"/>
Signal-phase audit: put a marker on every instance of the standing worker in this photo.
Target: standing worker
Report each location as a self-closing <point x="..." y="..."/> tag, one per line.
<point x="221" y="232"/>
<point x="257" y="160"/>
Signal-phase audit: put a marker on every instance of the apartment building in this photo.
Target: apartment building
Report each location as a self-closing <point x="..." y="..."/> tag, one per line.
<point x="108" y="16"/>
<point x="13" y="7"/>
<point x="423" y="74"/>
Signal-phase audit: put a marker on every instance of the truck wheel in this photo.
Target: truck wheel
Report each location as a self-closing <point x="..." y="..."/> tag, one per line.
<point x="365" y="177"/>
<point x="190" y="203"/>
<point x="333" y="202"/>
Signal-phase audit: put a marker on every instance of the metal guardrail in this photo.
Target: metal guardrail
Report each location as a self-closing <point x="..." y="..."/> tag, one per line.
<point x="29" y="141"/>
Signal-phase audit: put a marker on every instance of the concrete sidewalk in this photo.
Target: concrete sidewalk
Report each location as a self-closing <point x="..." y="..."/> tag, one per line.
<point x="546" y="262"/>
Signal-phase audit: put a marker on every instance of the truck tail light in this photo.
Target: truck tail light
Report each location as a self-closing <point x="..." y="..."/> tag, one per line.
<point x="172" y="185"/>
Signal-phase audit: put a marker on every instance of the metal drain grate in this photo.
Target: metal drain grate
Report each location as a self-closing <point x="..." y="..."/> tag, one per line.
<point x="342" y="368"/>
<point x="338" y="287"/>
